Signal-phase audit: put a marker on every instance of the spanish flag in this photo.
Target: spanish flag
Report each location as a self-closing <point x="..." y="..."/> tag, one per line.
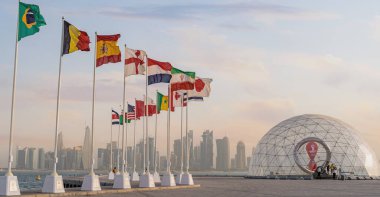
<point x="74" y="39"/>
<point x="107" y="50"/>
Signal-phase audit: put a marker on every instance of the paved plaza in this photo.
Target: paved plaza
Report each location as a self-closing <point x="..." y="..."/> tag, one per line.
<point x="237" y="187"/>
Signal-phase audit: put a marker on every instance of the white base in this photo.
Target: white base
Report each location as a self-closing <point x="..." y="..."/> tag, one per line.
<point x="53" y="184"/>
<point x="187" y="179"/>
<point x="111" y="176"/>
<point x="178" y="178"/>
<point x="168" y="180"/>
<point x="9" y="186"/>
<point x="122" y="181"/>
<point x="146" y="180"/>
<point x="156" y="177"/>
<point x="135" y="177"/>
<point x="91" y="183"/>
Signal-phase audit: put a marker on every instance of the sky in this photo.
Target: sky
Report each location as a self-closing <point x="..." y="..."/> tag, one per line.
<point x="269" y="60"/>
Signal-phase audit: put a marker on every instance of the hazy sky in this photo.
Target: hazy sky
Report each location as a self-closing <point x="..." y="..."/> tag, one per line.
<point x="270" y="60"/>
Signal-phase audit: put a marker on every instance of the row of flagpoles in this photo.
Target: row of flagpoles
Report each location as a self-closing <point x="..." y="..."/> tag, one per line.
<point x="136" y="62"/>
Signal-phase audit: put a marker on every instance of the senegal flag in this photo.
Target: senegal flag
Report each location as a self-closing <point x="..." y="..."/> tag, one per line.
<point x="74" y="39"/>
<point x="107" y="50"/>
<point x="162" y="102"/>
<point x="30" y="20"/>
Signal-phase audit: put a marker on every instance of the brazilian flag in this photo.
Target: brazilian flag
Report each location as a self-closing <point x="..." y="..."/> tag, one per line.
<point x="30" y="20"/>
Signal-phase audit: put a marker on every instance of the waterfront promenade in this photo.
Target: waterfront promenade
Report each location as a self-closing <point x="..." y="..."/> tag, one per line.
<point x="236" y="187"/>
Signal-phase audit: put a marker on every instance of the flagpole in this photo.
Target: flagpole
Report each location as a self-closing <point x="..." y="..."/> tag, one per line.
<point x="111" y="142"/>
<point x="181" y="133"/>
<point x="118" y="145"/>
<point x="146" y="115"/>
<point x="187" y="137"/>
<point x="134" y="141"/>
<point x="155" y="139"/>
<point x="10" y="158"/>
<point x="143" y="138"/>
<point x="93" y="107"/>
<point x="126" y="140"/>
<point x="168" y="133"/>
<point x="124" y="118"/>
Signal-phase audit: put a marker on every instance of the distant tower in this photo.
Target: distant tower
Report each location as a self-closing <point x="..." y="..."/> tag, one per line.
<point x="207" y="154"/>
<point x="60" y="154"/>
<point x="41" y="158"/>
<point x="21" y="158"/>
<point x="32" y="159"/>
<point x="191" y="149"/>
<point x="240" y="158"/>
<point x="177" y="152"/>
<point x="87" y="157"/>
<point x="223" y="154"/>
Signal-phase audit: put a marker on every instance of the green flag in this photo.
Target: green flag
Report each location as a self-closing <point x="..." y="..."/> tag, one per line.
<point x="121" y="119"/>
<point x="30" y="20"/>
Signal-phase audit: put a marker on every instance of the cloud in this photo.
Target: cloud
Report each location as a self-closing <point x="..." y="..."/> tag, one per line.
<point x="262" y="12"/>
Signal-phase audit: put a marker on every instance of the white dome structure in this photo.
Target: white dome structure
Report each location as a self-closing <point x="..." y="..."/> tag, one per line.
<point x="298" y="145"/>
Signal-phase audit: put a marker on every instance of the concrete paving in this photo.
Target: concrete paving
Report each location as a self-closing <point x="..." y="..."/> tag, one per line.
<point x="237" y="187"/>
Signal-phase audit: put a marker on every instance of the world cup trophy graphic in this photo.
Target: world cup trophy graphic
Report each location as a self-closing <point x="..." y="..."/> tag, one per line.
<point x="312" y="149"/>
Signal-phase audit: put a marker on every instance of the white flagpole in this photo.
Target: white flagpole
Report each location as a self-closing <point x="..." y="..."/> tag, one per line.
<point x="9" y="180"/>
<point x="181" y="133"/>
<point x="143" y="138"/>
<point x="91" y="181"/>
<point x="146" y="115"/>
<point x="168" y="132"/>
<point x="124" y="119"/>
<point x="118" y="145"/>
<point x="111" y="159"/>
<point x="187" y="137"/>
<point x="10" y="158"/>
<point x="155" y="139"/>
<point x="93" y="113"/>
<point x="126" y="140"/>
<point x="134" y="141"/>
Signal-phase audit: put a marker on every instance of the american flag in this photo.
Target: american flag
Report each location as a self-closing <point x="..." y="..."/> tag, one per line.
<point x="131" y="112"/>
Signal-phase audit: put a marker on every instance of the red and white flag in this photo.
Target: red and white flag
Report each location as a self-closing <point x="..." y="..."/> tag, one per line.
<point x="177" y="99"/>
<point x="151" y="107"/>
<point x="201" y="88"/>
<point x="134" y="62"/>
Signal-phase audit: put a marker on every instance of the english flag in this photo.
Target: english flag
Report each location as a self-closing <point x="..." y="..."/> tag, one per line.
<point x="134" y="62"/>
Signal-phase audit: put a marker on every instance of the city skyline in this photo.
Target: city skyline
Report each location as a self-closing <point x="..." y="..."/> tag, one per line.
<point x="281" y="59"/>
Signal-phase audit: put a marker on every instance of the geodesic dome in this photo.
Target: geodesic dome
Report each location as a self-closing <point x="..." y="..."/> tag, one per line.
<point x="278" y="150"/>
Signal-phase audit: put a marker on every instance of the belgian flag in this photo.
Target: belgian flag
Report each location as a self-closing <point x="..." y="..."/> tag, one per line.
<point x="74" y="39"/>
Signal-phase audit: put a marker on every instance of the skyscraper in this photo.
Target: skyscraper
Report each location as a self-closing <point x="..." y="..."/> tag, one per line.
<point x="240" y="158"/>
<point x="223" y="154"/>
<point x="207" y="154"/>
<point x="87" y="157"/>
<point x="60" y="154"/>
<point x="191" y="148"/>
<point x="176" y="163"/>
<point x="41" y="158"/>
<point x="32" y="159"/>
<point x="21" y="157"/>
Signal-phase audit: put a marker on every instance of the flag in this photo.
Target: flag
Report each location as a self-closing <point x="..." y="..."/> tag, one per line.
<point x="182" y="80"/>
<point x="30" y="20"/>
<point x="121" y="118"/>
<point x="107" y="50"/>
<point x="159" y="72"/>
<point x="162" y="102"/>
<point x="151" y="107"/>
<point x="74" y="39"/>
<point x="134" y="62"/>
<point x="201" y="89"/>
<point x="176" y="99"/>
<point x="131" y="112"/>
<point x="115" y="117"/>
<point x="139" y="108"/>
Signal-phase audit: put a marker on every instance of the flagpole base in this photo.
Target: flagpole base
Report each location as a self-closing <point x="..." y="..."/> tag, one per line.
<point x="135" y="176"/>
<point x="187" y="179"/>
<point x="9" y="186"/>
<point x="178" y="178"/>
<point x="156" y="177"/>
<point x="111" y="176"/>
<point x="146" y="180"/>
<point x="122" y="181"/>
<point x="168" y="180"/>
<point x="53" y="184"/>
<point x="91" y="183"/>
